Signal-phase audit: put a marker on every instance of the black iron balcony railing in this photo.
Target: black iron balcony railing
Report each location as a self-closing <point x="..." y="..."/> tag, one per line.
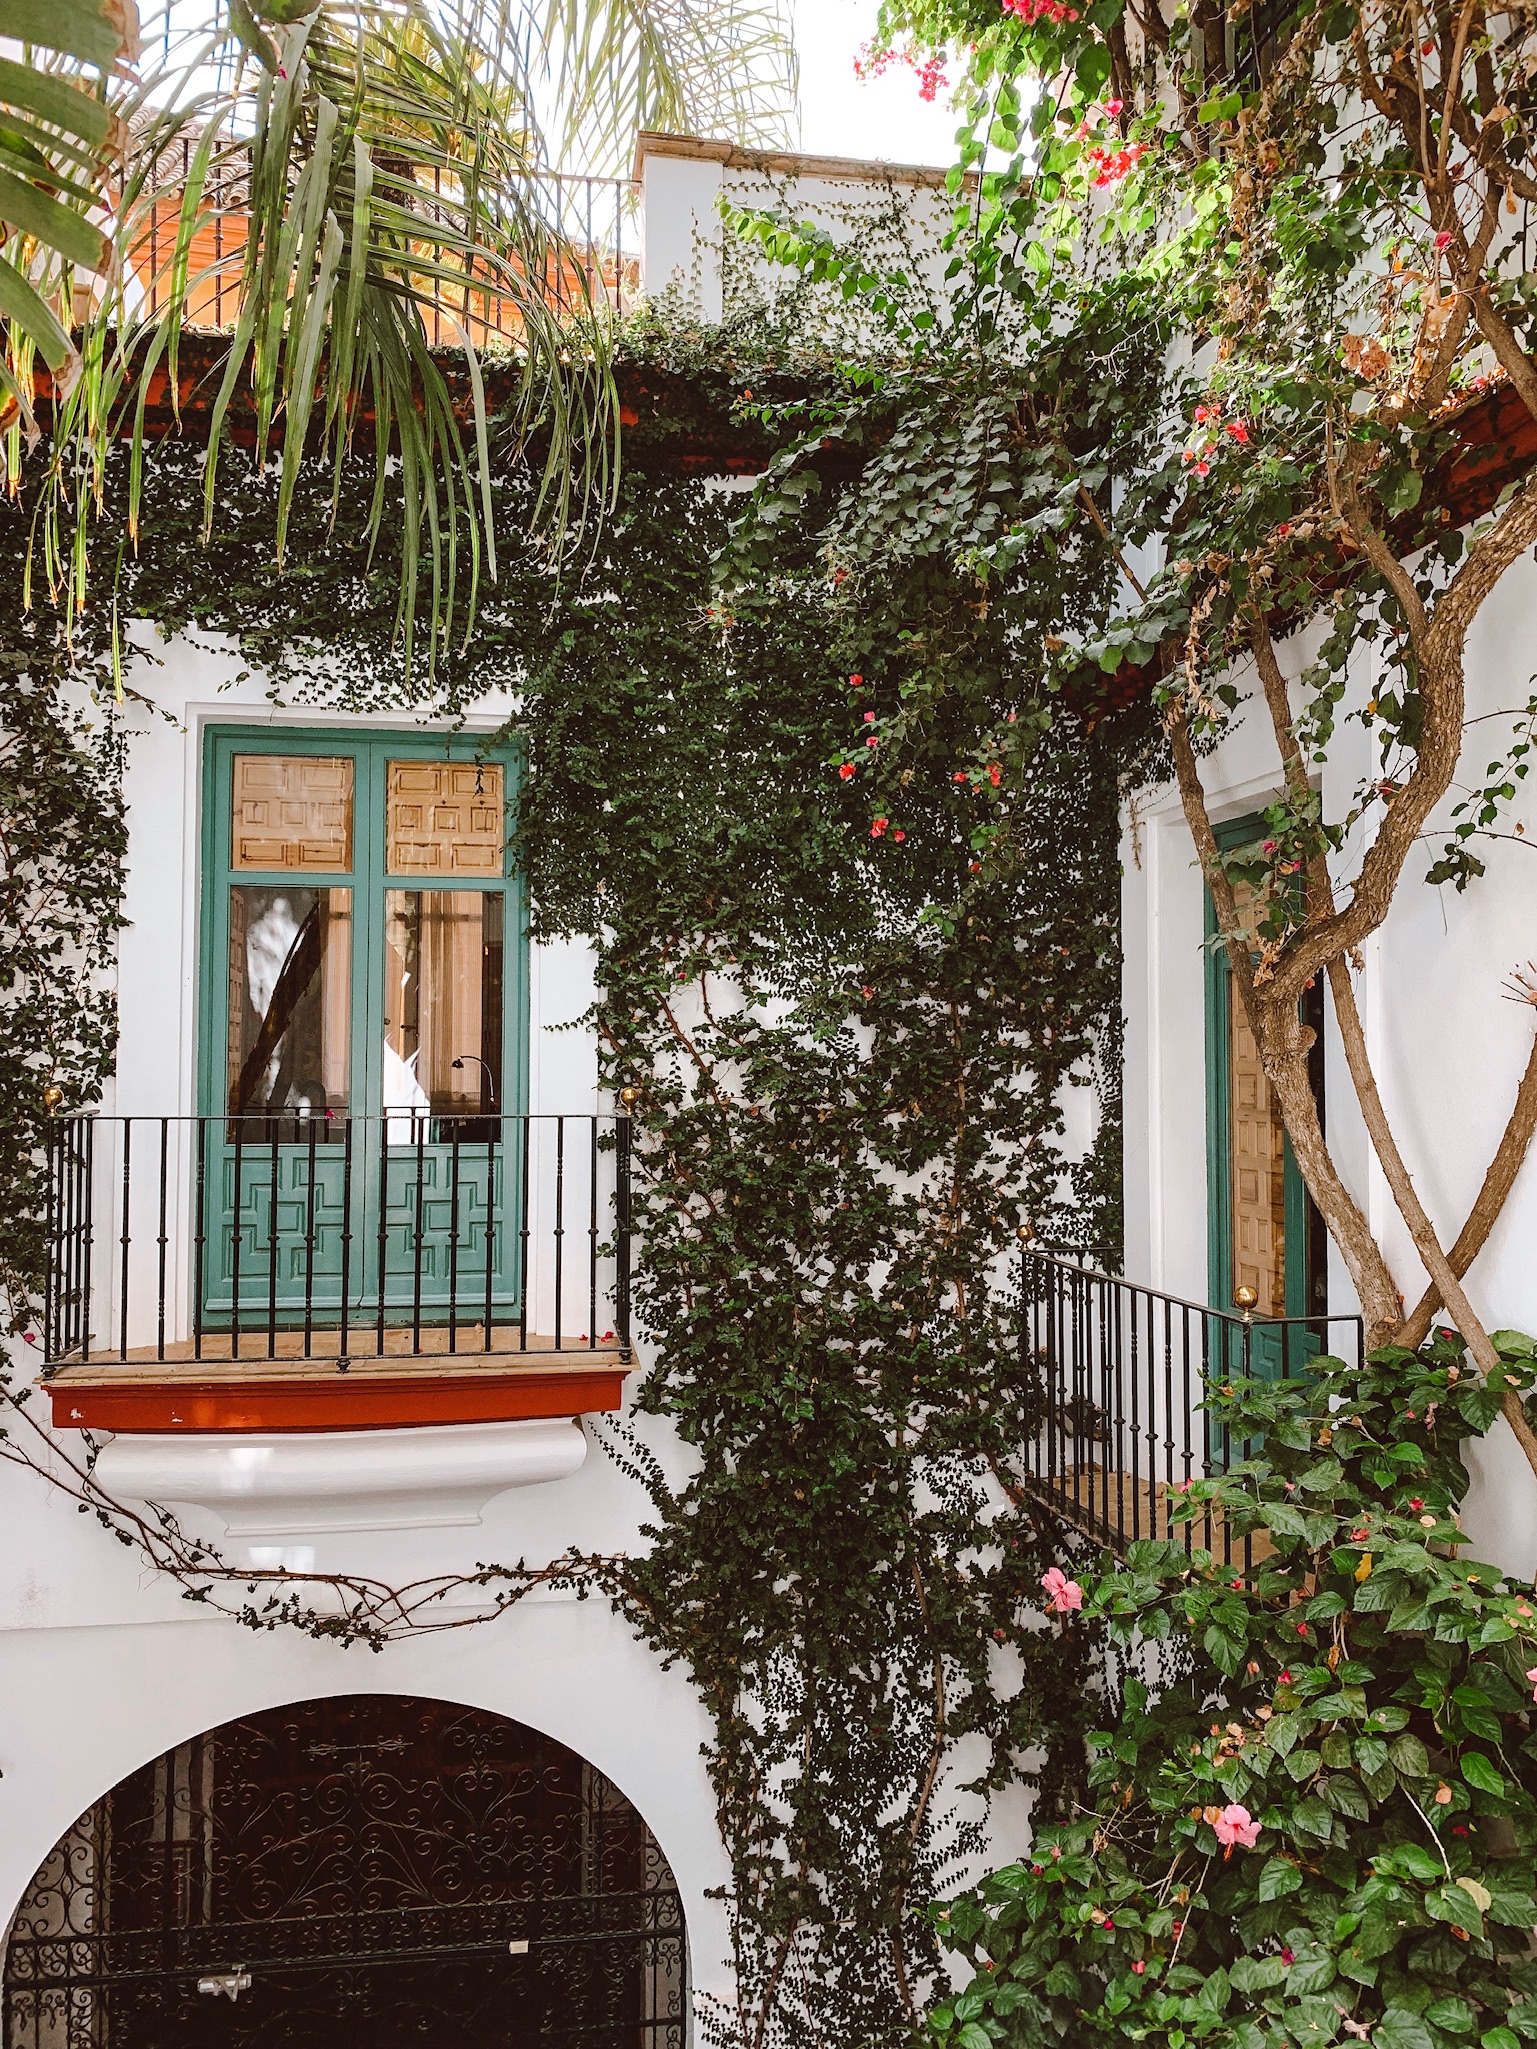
<point x="335" y="1237"/>
<point x="1123" y="1372"/>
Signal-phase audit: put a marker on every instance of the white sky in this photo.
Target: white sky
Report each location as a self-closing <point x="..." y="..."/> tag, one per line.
<point x="883" y="118"/>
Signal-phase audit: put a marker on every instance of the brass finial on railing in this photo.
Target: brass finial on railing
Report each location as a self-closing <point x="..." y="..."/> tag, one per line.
<point x="53" y="1095"/>
<point x="1245" y="1299"/>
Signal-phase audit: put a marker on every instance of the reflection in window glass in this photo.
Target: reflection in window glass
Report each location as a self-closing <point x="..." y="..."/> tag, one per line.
<point x="289" y="966"/>
<point x="442" y="1011"/>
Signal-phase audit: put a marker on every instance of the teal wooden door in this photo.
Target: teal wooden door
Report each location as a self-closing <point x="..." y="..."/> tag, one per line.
<point x="1263" y="1233"/>
<point x="362" y="1047"/>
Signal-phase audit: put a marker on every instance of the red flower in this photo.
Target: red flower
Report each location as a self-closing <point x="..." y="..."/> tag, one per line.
<point x="878" y="828"/>
<point x="855" y="681"/>
<point x="959" y="776"/>
<point x="869" y="718"/>
<point x="1237" y="429"/>
<point x="995" y="775"/>
<point x="1139" y="1967"/>
<point x="872" y="740"/>
<point x="1288" y="1956"/>
<point x="867" y="992"/>
<point x="899" y="834"/>
<point x="847" y="770"/>
<point x="1444" y="238"/>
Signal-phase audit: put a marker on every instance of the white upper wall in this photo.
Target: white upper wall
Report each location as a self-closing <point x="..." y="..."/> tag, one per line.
<point x="683" y="179"/>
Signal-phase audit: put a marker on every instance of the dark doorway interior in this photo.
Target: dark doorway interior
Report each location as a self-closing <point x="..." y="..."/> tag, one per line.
<point x="362" y="1872"/>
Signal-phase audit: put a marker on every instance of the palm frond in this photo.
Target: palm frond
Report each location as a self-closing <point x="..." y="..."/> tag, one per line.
<point x="694" y="67"/>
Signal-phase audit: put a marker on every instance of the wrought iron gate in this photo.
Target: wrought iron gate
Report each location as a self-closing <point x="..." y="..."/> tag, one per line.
<point x="365" y="1872"/>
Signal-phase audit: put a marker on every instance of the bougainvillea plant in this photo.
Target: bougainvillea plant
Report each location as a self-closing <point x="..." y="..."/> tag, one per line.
<point x="1317" y="213"/>
<point x="1315" y="1817"/>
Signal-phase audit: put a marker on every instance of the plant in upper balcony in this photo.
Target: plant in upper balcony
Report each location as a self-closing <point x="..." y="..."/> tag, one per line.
<point x="1315" y="1819"/>
<point x="1310" y="215"/>
<point x="320" y="180"/>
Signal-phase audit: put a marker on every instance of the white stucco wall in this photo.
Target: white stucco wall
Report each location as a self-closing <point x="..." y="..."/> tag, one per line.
<point x="683" y="182"/>
<point x="1448" y="1051"/>
<point x="103" y="1666"/>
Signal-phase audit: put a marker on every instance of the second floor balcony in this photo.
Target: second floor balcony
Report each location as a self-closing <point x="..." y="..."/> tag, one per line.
<point x="277" y="1272"/>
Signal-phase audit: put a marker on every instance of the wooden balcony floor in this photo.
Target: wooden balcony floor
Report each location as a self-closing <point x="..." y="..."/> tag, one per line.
<point x="272" y="1385"/>
<point x="1119" y="1508"/>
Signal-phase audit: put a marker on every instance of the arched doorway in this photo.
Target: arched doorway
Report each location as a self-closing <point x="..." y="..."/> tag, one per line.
<point x="362" y="1872"/>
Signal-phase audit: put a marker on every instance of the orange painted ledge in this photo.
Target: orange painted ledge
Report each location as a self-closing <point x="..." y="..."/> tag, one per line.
<point x="328" y="1400"/>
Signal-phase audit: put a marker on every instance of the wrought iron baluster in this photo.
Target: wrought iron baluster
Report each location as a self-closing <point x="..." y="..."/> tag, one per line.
<point x="419" y="1212"/>
<point x="560" y="1223"/>
<point x="491" y="1145"/>
<point x="345" y="1308"/>
<point x="234" y="1321"/>
<point x="523" y="1229"/>
<point x="199" y="1233"/>
<point x="162" y="1241"/>
<point x="272" y="1247"/>
<point x="592" y="1237"/>
<point x="622" y="1154"/>
<point x="453" y="1239"/>
<point x="309" y="1239"/>
<point x="124" y="1239"/>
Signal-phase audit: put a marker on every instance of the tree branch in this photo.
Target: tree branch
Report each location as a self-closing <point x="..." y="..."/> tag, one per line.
<point x="1492" y="1197"/>
<point x="1412" y="1210"/>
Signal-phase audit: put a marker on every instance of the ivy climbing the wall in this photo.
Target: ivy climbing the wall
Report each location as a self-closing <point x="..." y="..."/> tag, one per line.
<point x="862" y="1064"/>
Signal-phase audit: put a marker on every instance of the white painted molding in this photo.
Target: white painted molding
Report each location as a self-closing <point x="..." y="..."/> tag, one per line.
<point x="302" y="1483"/>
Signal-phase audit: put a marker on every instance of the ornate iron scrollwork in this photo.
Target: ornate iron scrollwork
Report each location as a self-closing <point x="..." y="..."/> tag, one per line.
<point x="372" y="1870"/>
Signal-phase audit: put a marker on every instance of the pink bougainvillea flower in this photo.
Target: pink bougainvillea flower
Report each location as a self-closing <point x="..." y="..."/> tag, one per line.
<point x="1030" y="11"/>
<point x="995" y="775"/>
<point x="869" y="718"/>
<point x="1064" y="1594"/>
<point x="1415" y="1502"/>
<point x="1138" y="1967"/>
<point x="899" y="834"/>
<point x="1201" y="468"/>
<point x="1288" y="1955"/>
<point x="846" y="770"/>
<point x="1237" y="429"/>
<point x="1183" y="1486"/>
<point x="1115" y="108"/>
<point x="1532" y="1680"/>
<point x="1443" y="240"/>
<point x="959" y="776"/>
<point x="872" y="740"/>
<point x="1236" y="1828"/>
<point x="855" y="681"/>
<point x="1267" y="846"/>
<point x="879" y="827"/>
<point x="867" y="992"/>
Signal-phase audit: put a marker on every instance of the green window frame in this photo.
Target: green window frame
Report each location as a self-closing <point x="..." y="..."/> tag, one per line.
<point x="392" y="1154"/>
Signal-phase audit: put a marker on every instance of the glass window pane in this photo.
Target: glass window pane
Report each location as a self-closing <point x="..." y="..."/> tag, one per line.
<point x="444" y="818"/>
<point x="292" y="812"/>
<point x="442" y="1009"/>
<point x="289" y="976"/>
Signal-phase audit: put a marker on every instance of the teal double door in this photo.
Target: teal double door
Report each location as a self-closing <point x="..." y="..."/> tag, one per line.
<point x="361" y="1147"/>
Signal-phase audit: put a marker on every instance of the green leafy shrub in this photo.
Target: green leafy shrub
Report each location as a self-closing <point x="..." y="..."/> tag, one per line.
<point x="1321" y="1824"/>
